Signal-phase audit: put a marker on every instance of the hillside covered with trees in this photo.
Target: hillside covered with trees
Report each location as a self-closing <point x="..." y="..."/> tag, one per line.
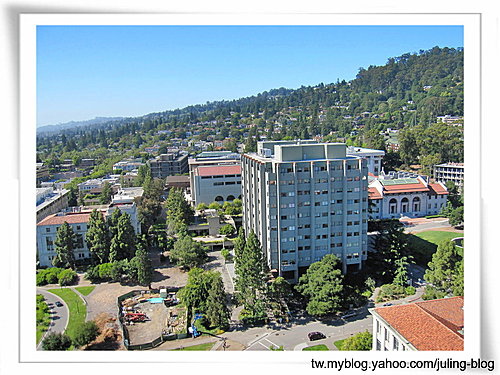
<point x="408" y="92"/>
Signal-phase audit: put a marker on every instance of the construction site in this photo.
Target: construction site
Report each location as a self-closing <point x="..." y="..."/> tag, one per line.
<point x="151" y="317"/>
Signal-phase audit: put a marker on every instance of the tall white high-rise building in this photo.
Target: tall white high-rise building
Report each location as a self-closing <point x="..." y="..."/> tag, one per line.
<point x="304" y="200"/>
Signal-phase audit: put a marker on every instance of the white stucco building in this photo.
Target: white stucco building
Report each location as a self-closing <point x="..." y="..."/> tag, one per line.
<point x="373" y="158"/>
<point x="411" y="197"/>
<point x="46" y="229"/>
<point x="420" y="326"/>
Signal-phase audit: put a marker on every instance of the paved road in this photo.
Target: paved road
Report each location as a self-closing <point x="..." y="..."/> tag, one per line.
<point x="294" y="336"/>
<point x="58" y="315"/>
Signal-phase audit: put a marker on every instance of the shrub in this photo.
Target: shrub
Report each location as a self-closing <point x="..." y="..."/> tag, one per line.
<point x="104" y="271"/>
<point x="225" y="253"/>
<point x="227" y="230"/>
<point x="432" y="293"/>
<point x="86" y="333"/>
<point x="56" y="341"/>
<point x="92" y="274"/>
<point x="410" y="290"/>
<point x="67" y="277"/>
<point x="48" y="276"/>
<point x="360" y="341"/>
<point x="390" y="292"/>
<point x="41" y="279"/>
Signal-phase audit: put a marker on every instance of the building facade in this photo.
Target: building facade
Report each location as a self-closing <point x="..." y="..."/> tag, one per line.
<point x="304" y="200"/>
<point x="410" y="197"/>
<point x="215" y="176"/>
<point x="450" y="172"/>
<point x="373" y="158"/>
<point x="428" y="325"/>
<point x="46" y="229"/>
<point x="50" y="201"/>
<point x="169" y="164"/>
<point x="217" y="183"/>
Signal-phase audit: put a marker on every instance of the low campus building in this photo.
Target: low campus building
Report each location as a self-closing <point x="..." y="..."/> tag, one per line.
<point x="450" y="172"/>
<point x="50" y="201"/>
<point x="78" y="218"/>
<point x="411" y="197"/>
<point x="215" y="176"/>
<point x="428" y="325"/>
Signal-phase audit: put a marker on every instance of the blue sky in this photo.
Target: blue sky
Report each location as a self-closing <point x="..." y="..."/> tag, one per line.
<point x="89" y="71"/>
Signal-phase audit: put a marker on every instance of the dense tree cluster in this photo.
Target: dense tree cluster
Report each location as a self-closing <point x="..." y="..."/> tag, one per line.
<point x="323" y="286"/>
<point x="204" y="293"/>
<point x="408" y="91"/>
<point x="446" y="272"/>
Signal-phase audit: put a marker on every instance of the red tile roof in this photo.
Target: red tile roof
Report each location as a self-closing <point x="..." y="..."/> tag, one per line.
<point x="438" y="189"/>
<point x="405" y="188"/>
<point x="428" y="325"/>
<point x="373" y="193"/>
<point x="219" y="170"/>
<point x="70" y="218"/>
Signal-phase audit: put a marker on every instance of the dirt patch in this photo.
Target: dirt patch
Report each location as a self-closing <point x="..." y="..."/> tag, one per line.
<point x="110" y="337"/>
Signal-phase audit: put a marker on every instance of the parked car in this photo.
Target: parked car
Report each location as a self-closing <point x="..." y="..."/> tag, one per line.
<point x="387" y="304"/>
<point x="58" y="304"/>
<point x="348" y="314"/>
<point x="313" y="336"/>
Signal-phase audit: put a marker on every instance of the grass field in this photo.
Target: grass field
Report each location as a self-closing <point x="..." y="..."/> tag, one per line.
<point x="85" y="290"/>
<point x="316" y="347"/>
<point x="42" y="317"/>
<point x="77" y="309"/>
<point x="206" y="346"/>
<point x="424" y="244"/>
<point x="437" y="236"/>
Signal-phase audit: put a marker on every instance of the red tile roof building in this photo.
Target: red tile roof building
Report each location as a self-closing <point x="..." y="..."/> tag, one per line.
<point x="411" y="197"/>
<point x="429" y="325"/>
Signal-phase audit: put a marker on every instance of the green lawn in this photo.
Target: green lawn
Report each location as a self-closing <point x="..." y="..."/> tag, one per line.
<point x="42" y="317"/>
<point x="206" y="346"/>
<point x="339" y="343"/>
<point x="437" y="236"/>
<point x="424" y="244"/>
<point x="316" y="347"/>
<point x="77" y="309"/>
<point x="85" y="290"/>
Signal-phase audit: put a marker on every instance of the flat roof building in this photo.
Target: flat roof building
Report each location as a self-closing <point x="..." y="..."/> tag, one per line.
<point x="373" y="158"/>
<point x="169" y="164"/>
<point x="450" y="172"/>
<point x="303" y="200"/>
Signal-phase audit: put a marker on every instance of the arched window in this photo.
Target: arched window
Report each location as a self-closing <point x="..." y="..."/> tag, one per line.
<point x="416" y="204"/>
<point x="230" y="198"/>
<point x="393" y="206"/>
<point x="405" y="205"/>
<point x="219" y="199"/>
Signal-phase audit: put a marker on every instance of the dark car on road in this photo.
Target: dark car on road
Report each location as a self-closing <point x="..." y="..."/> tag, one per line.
<point x="313" y="336"/>
<point x="58" y="304"/>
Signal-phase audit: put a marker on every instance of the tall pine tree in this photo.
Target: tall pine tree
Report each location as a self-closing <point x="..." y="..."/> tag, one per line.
<point x="65" y="244"/>
<point x="98" y="238"/>
<point x="123" y="244"/>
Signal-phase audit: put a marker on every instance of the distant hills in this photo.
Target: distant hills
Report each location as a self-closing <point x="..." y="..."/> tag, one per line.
<point x="47" y="129"/>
